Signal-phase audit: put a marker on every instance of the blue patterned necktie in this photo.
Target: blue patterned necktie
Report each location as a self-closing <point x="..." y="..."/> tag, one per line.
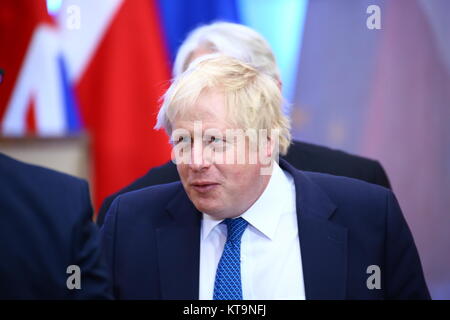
<point x="228" y="276"/>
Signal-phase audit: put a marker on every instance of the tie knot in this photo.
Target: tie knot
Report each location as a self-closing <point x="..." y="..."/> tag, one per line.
<point x="236" y="228"/>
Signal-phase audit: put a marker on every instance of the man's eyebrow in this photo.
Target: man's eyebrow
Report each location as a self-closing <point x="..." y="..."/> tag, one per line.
<point x="189" y="115"/>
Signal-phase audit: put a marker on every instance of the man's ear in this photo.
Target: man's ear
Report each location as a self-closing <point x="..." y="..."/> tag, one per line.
<point x="273" y="144"/>
<point x="270" y="152"/>
<point x="270" y="148"/>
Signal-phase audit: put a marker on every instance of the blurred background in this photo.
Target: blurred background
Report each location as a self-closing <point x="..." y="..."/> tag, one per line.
<point x="80" y="82"/>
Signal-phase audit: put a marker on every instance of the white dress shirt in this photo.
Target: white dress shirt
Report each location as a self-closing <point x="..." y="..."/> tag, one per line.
<point x="271" y="266"/>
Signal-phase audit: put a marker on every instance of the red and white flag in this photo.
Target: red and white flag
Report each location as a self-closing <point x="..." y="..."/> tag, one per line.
<point x="120" y="67"/>
<point x="112" y="53"/>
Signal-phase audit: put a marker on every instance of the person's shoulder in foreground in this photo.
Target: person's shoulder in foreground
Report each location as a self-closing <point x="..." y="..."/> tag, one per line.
<point x="46" y="226"/>
<point x="346" y="228"/>
<point x="303" y="156"/>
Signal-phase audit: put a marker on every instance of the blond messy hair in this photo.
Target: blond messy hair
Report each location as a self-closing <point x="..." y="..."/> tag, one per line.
<point x="253" y="99"/>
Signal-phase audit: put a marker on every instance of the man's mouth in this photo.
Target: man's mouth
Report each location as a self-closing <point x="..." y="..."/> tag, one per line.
<point x="204" y="186"/>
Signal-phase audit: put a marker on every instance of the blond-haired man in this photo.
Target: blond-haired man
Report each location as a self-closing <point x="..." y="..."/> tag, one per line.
<point x="243" y="43"/>
<point x="240" y="225"/>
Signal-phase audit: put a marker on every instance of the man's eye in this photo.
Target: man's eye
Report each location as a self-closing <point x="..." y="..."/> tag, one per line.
<point x="214" y="140"/>
<point x="181" y="140"/>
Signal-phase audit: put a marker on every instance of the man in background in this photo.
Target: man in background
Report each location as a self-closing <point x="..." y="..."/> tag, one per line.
<point x="49" y="246"/>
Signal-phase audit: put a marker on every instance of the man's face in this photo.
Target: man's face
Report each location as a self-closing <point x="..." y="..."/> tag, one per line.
<point x="220" y="189"/>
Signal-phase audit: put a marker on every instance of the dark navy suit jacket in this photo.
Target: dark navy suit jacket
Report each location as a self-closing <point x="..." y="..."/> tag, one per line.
<point x="45" y="226"/>
<point x="151" y="238"/>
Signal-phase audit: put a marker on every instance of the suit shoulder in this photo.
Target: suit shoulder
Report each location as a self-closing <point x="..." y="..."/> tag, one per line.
<point x="310" y="157"/>
<point x="163" y="174"/>
<point x="26" y="188"/>
<point x="150" y="196"/>
<point x="17" y="170"/>
<point x="333" y="181"/>
<point x="142" y="207"/>
<point x="360" y="205"/>
<point x="344" y="188"/>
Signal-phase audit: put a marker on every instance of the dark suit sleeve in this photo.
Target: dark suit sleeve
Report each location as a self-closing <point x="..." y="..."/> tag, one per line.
<point x="104" y="208"/>
<point x="107" y="234"/>
<point x="404" y="275"/>
<point x="87" y="253"/>
<point x="380" y="176"/>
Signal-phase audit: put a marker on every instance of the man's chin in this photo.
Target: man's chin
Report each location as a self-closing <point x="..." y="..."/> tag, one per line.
<point x="208" y="209"/>
<point x="215" y="212"/>
<point x="211" y="210"/>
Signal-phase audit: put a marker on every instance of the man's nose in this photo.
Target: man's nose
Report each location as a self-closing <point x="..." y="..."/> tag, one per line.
<point x="199" y="160"/>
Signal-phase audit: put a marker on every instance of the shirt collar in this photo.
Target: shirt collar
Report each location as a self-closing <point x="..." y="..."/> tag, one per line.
<point x="208" y="224"/>
<point x="265" y="213"/>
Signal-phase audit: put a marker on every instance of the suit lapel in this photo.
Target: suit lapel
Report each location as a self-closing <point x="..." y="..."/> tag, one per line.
<point x="178" y="245"/>
<point x="323" y="244"/>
